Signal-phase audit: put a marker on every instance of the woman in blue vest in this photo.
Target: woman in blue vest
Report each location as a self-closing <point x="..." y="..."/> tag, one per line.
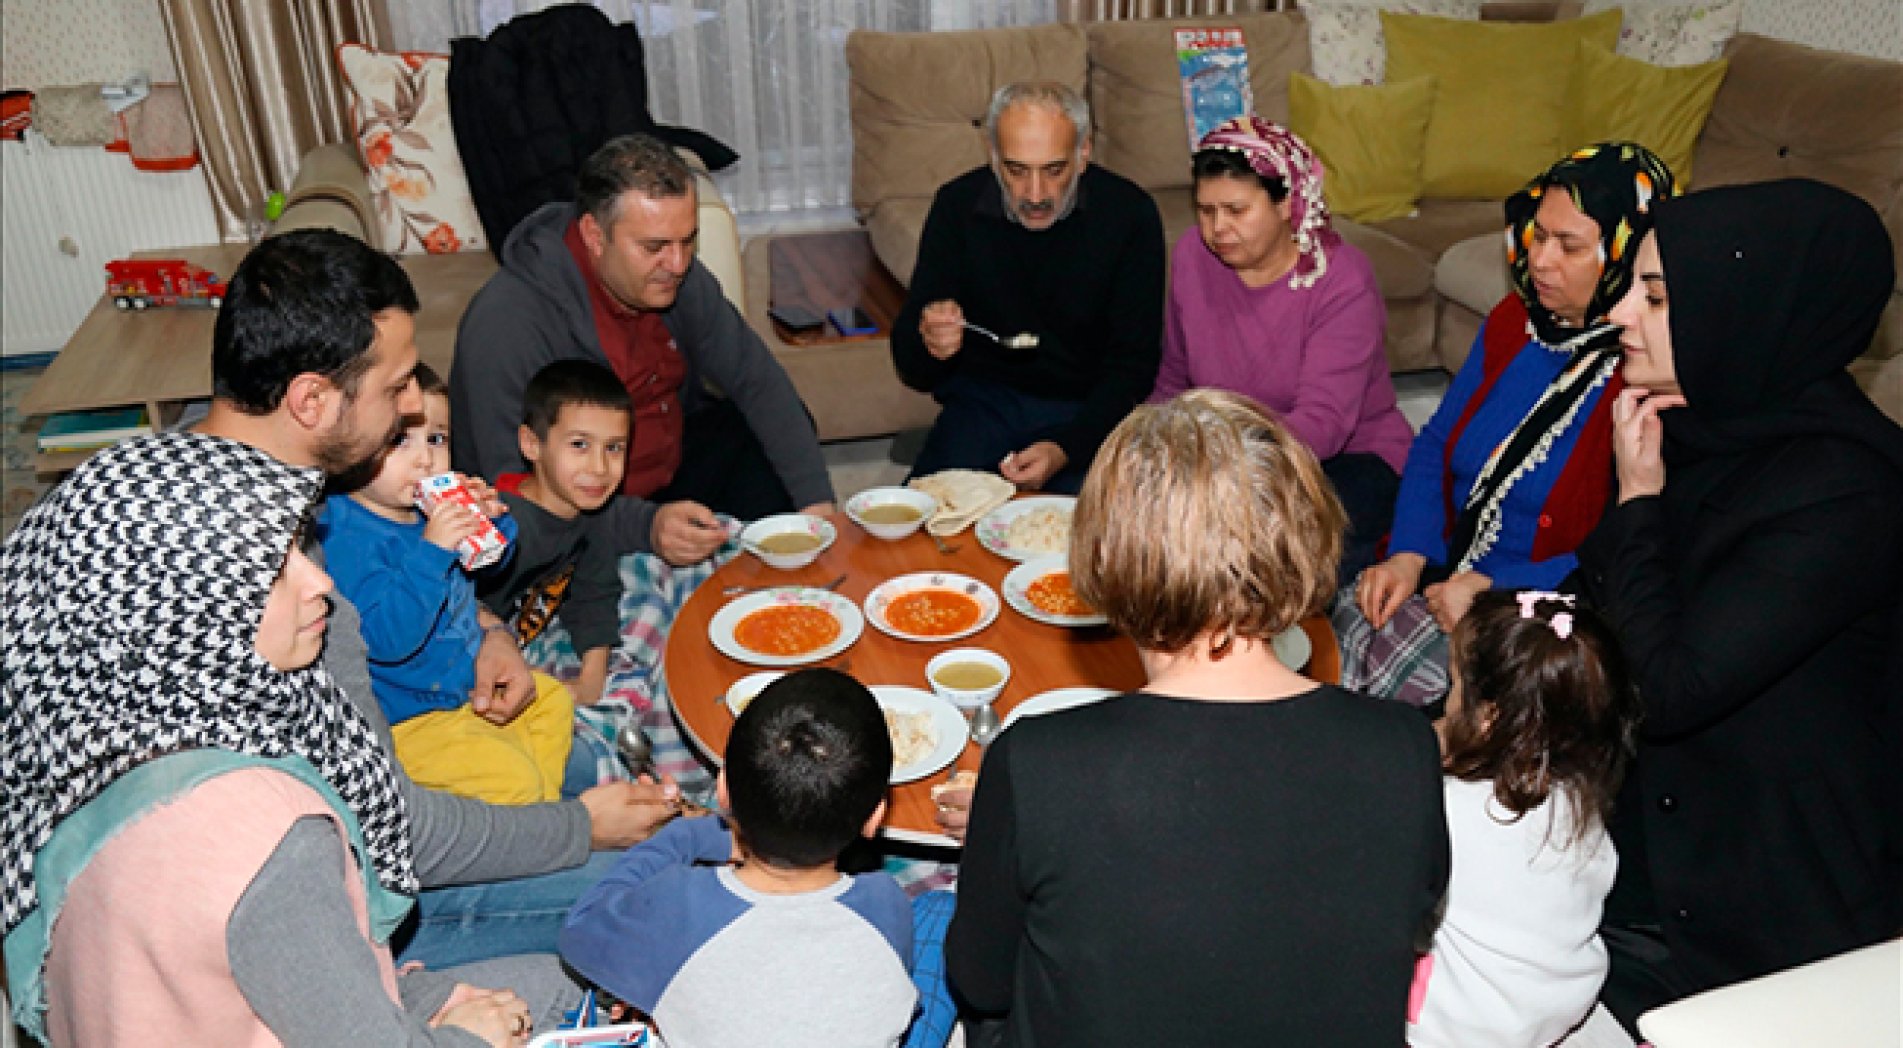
<point x="1514" y="469"/>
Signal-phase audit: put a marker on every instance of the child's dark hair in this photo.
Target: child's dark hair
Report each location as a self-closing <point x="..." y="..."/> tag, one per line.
<point x="568" y="382"/>
<point x="1546" y="703"/>
<point x="428" y="381"/>
<point x="807" y="764"/>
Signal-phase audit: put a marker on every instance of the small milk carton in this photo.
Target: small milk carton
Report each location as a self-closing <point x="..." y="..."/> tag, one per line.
<point x="478" y="550"/>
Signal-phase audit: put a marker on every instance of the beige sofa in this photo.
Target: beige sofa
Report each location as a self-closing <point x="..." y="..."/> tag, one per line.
<point x="918" y="100"/>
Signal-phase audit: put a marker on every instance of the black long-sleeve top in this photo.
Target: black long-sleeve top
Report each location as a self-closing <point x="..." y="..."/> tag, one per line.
<point x="1150" y="870"/>
<point x="1090" y="287"/>
<point x="1757" y="602"/>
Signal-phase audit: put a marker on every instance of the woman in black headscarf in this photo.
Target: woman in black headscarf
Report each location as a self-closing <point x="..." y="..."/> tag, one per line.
<point x="1753" y="571"/>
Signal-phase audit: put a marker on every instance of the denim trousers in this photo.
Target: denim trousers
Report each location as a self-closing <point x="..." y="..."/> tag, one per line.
<point x="475" y="922"/>
<point x="980" y="422"/>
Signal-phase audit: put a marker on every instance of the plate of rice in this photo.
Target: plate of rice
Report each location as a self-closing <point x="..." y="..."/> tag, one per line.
<point x="927" y="732"/>
<point x="1028" y="528"/>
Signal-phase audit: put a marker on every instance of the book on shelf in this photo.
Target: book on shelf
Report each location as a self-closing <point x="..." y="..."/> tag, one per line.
<point x="92" y="430"/>
<point x="1214" y="66"/>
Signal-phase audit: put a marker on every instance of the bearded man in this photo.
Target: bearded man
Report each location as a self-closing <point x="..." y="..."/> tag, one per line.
<point x="1060" y="259"/>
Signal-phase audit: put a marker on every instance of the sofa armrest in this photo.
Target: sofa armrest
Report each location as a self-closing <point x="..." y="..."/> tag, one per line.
<point x="718" y="247"/>
<point x="330" y="192"/>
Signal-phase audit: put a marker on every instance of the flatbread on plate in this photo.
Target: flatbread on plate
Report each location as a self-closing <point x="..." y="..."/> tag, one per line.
<point x="963" y="495"/>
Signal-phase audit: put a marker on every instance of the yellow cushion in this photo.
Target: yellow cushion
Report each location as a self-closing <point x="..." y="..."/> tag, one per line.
<point x="1662" y="108"/>
<point x="1370" y="140"/>
<point x="1501" y="98"/>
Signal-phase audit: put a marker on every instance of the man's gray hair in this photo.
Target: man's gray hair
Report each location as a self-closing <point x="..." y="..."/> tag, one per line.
<point x="639" y="162"/>
<point x="1046" y="94"/>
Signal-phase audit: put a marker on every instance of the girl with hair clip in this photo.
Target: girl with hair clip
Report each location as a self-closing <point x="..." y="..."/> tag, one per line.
<point x="1539" y="725"/>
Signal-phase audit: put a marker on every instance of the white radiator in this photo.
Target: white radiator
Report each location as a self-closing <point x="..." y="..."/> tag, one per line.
<point x="65" y="211"/>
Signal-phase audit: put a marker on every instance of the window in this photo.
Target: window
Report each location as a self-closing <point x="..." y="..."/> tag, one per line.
<point x="767" y="77"/>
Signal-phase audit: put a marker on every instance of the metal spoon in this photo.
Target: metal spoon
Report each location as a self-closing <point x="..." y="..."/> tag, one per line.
<point x="984" y="725"/>
<point x="1022" y="340"/>
<point x="636" y="750"/>
<point x="735" y="591"/>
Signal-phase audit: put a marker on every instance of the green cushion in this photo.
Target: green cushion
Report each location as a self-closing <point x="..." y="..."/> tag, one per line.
<point x="1662" y="108"/>
<point x="1501" y="99"/>
<point x="1371" y="140"/>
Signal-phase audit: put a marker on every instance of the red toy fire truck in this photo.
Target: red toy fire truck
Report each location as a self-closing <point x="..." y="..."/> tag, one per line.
<point x="140" y="283"/>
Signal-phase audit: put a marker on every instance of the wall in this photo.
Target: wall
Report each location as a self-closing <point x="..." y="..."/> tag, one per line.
<point x="48" y="42"/>
<point x="1861" y="27"/>
<point x="69" y="210"/>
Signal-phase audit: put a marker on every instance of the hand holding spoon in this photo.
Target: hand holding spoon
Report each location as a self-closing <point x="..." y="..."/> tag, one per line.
<point x="1022" y="340"/>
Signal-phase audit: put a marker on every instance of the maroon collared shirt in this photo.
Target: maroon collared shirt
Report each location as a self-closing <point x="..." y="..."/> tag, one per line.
<point x="643" y="355"/>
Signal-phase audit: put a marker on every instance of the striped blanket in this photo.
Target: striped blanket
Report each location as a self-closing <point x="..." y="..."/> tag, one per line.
<point x="1406" y="660"/>
<point x="652" y="592"/>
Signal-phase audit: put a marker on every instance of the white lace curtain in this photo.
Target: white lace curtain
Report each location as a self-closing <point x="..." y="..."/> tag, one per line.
<point x="767" y="77"/>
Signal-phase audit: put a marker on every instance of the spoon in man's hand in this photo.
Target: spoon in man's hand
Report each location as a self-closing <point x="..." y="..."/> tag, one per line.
<point x="1023" y="340"/>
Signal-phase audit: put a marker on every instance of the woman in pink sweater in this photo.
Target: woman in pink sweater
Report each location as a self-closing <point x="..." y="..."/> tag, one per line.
<point x="1265" y="299"/>
<point x="203" y="841"/>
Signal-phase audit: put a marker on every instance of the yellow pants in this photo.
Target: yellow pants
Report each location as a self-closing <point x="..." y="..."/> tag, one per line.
<point x="517" y="763"/>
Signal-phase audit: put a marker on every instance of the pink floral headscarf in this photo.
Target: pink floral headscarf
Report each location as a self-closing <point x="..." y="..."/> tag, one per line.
<point x="1273" y="151"/>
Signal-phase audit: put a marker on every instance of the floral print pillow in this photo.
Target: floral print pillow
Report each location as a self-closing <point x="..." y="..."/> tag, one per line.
<point x="1345" y="41"/>
<point x="1674" y="35"/>
<point x="399" y="108"/>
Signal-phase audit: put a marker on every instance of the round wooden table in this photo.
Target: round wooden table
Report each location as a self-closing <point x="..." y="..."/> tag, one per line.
<point x="1042" y="657"/>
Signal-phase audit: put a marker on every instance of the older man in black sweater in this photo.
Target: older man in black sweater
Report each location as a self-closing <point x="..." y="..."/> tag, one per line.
<point x="1063" y="261"/>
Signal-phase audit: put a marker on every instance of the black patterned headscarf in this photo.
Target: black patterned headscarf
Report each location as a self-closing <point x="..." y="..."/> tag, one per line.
<point x="1613" y="183"/>
<point x="131" y="600"/>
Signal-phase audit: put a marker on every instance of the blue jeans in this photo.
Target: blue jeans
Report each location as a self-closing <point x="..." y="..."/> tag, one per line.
<point x="474" y="922"/>
<point x="931" y="916"/>
<point x="980" y="422"/>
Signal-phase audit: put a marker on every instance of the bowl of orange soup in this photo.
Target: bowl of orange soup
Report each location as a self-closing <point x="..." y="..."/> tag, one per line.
<point x="931" y="606"/>
<point x="788" y="540"/>
<point x="786" y="626"/>
<point x="1041" y="590"/>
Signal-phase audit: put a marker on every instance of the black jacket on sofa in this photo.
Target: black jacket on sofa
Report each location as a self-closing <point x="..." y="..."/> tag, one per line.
<point x="541" y="94"/>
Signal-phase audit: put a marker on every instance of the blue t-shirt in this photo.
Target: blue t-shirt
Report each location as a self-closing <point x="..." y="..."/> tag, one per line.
<point x="417" y="604"/>
<point x="674" y="932"/>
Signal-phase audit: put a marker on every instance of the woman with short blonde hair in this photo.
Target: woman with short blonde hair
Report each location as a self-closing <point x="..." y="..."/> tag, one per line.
<point x="1234" y="854"/>
<point x="1254" y="526"/>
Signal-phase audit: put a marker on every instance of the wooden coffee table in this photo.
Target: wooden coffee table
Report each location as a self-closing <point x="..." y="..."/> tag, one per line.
<point x="1042" y="657"/>
<point x="160" y="359"/>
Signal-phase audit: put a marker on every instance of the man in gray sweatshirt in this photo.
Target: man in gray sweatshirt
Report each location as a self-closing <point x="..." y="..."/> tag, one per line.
<point x="612" y="278"/>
